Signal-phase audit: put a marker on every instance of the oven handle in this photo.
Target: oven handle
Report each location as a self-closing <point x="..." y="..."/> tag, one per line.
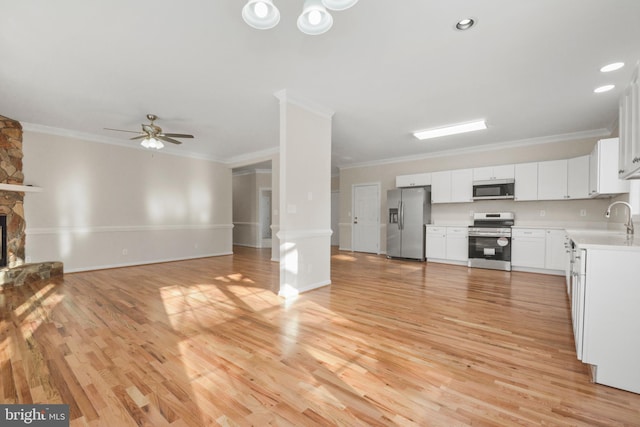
<point x="481" y="234"/>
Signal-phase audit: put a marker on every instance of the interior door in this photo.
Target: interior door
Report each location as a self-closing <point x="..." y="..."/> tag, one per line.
<point x="366" y="218"/>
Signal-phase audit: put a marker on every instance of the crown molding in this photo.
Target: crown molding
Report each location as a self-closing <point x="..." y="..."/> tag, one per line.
<point x="251" y="158"/>
<point x="90" y="137"/>
<point x="594" y="133"/>
<point x="286" y="97"/>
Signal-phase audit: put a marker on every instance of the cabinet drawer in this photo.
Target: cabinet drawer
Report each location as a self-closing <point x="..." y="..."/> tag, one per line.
<point x="436" y="230"/>
<point x="457" y="231"/>
<point x="527" y="232"/>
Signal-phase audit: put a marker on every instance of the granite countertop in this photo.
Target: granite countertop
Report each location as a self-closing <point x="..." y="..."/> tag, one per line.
<point x="603" y="239"/>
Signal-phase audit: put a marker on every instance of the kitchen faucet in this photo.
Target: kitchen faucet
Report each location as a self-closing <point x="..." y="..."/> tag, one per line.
<point x="629" y="223"/>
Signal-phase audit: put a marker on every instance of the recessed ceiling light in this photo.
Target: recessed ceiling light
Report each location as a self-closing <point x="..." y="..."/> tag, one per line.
<point x="612" y="67"/>
<point x="605" y="88"/>
<point x="450" y="130"/>
<point x="465" y="24"/>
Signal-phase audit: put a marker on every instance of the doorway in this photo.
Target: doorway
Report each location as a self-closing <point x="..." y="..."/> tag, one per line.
<point x="366" y="218"/>
<point x="265" y="217"/>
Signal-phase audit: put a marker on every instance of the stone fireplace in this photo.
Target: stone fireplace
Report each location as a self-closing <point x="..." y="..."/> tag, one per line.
<point x="14" y="269"/>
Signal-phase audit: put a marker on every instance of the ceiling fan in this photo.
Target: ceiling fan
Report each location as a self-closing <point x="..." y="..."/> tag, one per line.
<point x="152" y="135"/>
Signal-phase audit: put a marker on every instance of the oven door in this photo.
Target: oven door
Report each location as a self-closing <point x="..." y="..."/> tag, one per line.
<point x="487" y="251"/>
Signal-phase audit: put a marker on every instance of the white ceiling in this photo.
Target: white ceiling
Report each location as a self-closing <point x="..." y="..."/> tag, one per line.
<point x="386" y="68"/>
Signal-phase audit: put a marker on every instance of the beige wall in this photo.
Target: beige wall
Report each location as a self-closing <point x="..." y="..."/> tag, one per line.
<point x="556" y="212"/>
<point x="105" y="206"/>
<point x="246" y="206"/>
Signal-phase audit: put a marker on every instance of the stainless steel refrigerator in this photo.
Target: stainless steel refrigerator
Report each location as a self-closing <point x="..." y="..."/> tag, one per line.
<point x="408" y="211"/>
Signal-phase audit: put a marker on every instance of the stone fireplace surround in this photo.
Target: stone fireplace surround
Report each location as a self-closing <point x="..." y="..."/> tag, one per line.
<point x="17" y="272"/>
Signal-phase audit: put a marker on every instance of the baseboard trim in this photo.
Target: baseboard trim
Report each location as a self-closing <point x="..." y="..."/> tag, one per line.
<point x="134" y="264"/>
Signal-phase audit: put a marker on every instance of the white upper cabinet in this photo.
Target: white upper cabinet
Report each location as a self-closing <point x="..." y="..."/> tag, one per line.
<point x="526" y="181"/>
<point x="493" y="172"/>
<point x="552" y="180"/>
<point x="415" y="180"/>
<point x="441" y="187"/>
<point x="629" y="148"/>
<point x="578" y="177"/>
<point x="603" y="169"/>
<point x="454" y="186"/>
<point x="462" y="185"/>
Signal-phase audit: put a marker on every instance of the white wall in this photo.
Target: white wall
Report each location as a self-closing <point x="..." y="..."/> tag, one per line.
<point x="105" y="206"/>
<point x="305" y="198"/>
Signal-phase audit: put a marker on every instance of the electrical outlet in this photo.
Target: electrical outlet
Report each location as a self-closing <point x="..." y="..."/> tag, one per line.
<point x="28" y="259"/>
<point x="543" y="212"/>
<point x="583" y="212"/>
<point x="125" y="251"/>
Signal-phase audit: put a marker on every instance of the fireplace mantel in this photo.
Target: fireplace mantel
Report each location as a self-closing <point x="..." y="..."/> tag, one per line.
<point x="24" y="188"/>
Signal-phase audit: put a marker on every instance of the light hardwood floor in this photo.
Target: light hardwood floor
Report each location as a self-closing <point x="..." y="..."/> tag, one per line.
<point x="208" y="342"/>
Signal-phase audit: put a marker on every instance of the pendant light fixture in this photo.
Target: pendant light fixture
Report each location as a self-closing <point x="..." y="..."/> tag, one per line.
<point x="314" y="19"/>
<point x="338" y="4"/>
<point x="261" y="14"/>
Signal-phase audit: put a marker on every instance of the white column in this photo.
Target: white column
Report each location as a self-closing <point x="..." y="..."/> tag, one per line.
<point x="305" y="195"/>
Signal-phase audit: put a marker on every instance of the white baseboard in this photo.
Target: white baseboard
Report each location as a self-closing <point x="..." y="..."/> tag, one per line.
<point x="133" y="264"/>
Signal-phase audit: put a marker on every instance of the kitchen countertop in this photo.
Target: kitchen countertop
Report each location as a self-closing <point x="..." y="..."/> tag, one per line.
<point x="603" y="239"/>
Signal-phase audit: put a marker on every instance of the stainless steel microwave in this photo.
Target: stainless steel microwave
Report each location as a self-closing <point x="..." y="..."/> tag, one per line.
<point x="494" y="189"/>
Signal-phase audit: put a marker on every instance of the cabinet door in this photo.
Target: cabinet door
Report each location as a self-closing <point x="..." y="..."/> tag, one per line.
<point x="578" y="177"/>
<point x="504" y="172"/>
<point x="415" y="180"/>
<point x="462" y="185"/>
<point x="483" y="174"/>
<point x="528" y="248"/>
<point x="457" y="243"/>
<point x="552" y="180"/>
<point x="604" y="168"/>
<point x="526" y="181"/>
<point x="625" y="149"/>
<point x="555" y="252"/>
<point x="629" y="151"/>
<point x="441" y="187"/>
<point x="436" y="242"/>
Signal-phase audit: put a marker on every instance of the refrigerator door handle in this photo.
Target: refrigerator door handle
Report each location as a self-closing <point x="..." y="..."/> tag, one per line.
<point x="401" y="215"/>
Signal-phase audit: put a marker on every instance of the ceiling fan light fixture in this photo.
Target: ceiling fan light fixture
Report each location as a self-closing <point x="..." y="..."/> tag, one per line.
<point x="339" y="4"/>
<point x="152" y="143"/>
<point x="261" y="14"/>
<point x="314" y="19"/>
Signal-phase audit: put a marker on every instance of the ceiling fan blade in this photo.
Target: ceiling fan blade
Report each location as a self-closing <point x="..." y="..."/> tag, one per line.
<point x="139" y="137"/>
<point x="122" y="130"/>
<point x="176" y="135"/>
<point x="165" y="138"/>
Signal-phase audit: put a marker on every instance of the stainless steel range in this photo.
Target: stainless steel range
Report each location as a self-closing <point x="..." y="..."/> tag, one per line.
<point x="490" y="240"/>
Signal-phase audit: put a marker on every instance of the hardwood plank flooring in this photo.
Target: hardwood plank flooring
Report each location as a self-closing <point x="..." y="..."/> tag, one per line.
<point x="209" y="342"/>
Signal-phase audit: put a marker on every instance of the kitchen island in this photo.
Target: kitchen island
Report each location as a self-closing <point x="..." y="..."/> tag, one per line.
<point x="605" y="305"/>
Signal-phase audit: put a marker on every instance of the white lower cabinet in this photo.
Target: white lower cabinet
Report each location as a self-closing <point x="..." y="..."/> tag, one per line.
<point x="539" y="248"/>
<point x="556" y="253"/>
<point x="528" y="247"/>
<point x="447" y="244"/>
<point x="457" y="244"/>
<point x="436" y="242"/>
<point x="610" y="332"/>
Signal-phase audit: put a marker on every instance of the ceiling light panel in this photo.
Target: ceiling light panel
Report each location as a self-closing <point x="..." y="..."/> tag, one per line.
<point x="612" y="67"/>
<point x="451" y="130"/>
